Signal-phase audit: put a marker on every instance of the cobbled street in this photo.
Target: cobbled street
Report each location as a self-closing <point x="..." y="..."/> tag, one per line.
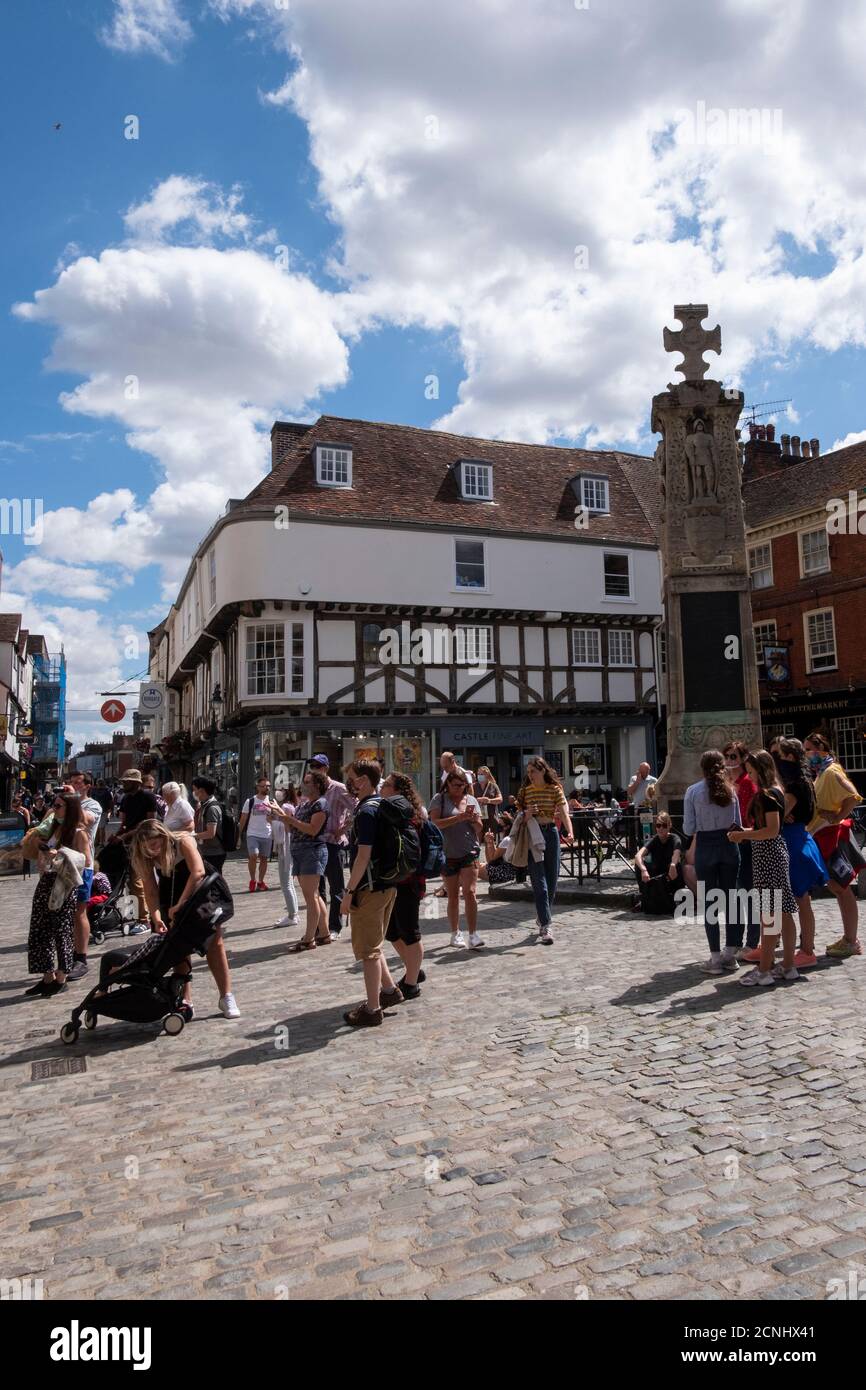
<point x="593" y="1120"/>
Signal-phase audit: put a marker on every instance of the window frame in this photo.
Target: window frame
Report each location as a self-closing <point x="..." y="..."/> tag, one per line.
<point x="480" y="465"/>
<point x="759" y="660"/>
<point x="621" y="665"/>
<point x="762" y="545"/>
<point x="595" y="479"/>
<point x="464" y="661"/>
<point x="587" y="631"/>
<point x="458" y="588"/>
<point x="618" y="598"/>
<point x="811" y="668"/>
<point x="321" y="450"/>
<point x="212" y="578"/>
<point x="801" y="536"/>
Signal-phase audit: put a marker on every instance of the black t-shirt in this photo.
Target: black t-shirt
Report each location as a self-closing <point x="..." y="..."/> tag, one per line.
<point x="660" y="853"/>
<point x="138" y="806"/>
<point x="772" y="800"/>
<point x="803" y="809"/>
<point x="103" y="796"/>
<point x="364" y="831"/>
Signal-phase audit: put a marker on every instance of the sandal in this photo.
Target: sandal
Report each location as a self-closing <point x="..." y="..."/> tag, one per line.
<point x="323" y="940"/>
<point x="301" y="946"/>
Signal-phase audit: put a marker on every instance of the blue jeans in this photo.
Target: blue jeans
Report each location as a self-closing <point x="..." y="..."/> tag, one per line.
<point x="744" y="880"/>
<point x="717" y="864"/>
<point x="544" y="874"/>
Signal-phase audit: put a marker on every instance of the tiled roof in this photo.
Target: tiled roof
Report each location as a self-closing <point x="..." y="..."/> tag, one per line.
<point x="10" y="624"/>
<point x="403" y="474"/>
<point x="804" y="485"/>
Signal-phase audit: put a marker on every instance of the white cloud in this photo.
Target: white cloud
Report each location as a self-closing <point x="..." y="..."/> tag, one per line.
<point x="36" y="575"/>
<point x="147" y="26"/>
<point x="856" y="437"/>
<point x="195" y="350"/>
<point x="466" y="151"/>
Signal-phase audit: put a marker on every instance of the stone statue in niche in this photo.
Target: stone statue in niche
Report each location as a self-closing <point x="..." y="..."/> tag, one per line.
<point x="703" y="461"/>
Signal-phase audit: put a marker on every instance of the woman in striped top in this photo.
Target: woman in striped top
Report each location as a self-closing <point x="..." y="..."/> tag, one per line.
<point x="542" y="796"/>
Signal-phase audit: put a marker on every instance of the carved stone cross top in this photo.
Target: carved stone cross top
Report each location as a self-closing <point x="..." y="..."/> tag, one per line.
<point x="692" y="340"/>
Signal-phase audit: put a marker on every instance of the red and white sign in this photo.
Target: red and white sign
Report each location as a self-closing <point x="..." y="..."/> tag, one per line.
<point x="113" y="711"/>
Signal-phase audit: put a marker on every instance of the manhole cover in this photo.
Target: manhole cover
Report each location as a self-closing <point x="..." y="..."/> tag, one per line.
<point x="61" y="1066"/>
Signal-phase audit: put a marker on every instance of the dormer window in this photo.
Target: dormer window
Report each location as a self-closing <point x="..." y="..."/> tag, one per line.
<point x="594" y="494"/>
<point x="476" y="481"/>
<point x="333" y="465"/>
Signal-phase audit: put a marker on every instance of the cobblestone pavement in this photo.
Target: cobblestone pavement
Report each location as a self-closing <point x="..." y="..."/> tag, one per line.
<point x="594" y="1120"/>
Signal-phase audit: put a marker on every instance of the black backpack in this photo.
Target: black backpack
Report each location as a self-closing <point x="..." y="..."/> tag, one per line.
<point x="396" y="854"/>
<point x="228" y="829"/>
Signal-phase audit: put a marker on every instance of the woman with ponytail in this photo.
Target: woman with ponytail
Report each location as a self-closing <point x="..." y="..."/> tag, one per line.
<point x="710" y="810"/>
<point x="771" y="874"/>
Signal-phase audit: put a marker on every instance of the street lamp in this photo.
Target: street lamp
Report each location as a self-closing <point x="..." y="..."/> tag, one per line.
<point x="216" y="700"/>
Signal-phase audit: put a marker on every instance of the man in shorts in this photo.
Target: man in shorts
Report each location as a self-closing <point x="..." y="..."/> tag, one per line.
<point x="367" y="902"/>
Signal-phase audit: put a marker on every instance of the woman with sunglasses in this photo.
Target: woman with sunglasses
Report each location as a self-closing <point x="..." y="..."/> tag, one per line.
<point x="51" y="928"/>
<point x="770" y="873"/>
<point x="835" y="799"/>
<point x="458" y="816"/>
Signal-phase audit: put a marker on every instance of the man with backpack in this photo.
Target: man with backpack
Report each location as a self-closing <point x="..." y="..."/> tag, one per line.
<point x="384" y="851"/>
<point x="209" y="829"/>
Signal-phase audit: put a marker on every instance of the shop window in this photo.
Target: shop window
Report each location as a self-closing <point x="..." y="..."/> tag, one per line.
<point x="371" y="644"/>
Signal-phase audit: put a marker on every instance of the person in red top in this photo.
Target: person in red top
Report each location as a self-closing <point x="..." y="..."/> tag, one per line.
<point x="745" y="787"/>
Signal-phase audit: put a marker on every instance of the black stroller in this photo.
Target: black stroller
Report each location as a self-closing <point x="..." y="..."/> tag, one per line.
<point x="143" y="989"/>
<point x="107" y="917"/>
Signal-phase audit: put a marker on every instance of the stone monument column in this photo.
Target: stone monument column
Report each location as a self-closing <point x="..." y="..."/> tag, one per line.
<point x="712" y="680"/>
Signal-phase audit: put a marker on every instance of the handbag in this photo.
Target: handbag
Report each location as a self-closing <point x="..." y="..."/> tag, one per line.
<point x="500" y="872"/>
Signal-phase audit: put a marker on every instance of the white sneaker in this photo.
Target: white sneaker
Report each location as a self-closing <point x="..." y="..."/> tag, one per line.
<point x="229" y="1007"/>
<point x="754" y="977"/>
<point x="457" y="939"/>
<point x="475" y="941"/>
<point x="289" y="921"/>
<point x="712" y="966"/>
<point x="780" y="973"/>
<point x="730" y="963"/>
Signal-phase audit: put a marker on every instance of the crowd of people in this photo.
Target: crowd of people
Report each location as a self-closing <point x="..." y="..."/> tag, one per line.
<point x="764" y="829"/>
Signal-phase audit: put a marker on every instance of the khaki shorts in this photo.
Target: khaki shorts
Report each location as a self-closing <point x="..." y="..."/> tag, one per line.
<point x="369" y="921"/>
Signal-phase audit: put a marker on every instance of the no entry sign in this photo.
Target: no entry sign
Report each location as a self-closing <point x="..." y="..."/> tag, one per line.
<point x="113" y="711"/>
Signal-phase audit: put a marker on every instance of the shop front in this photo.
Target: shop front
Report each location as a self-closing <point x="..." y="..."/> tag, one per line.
<point x="840" y="715"/>
<point x="594" y="757"/>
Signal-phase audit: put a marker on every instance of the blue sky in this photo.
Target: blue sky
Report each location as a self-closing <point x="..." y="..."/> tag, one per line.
<point x="413" y="249"/>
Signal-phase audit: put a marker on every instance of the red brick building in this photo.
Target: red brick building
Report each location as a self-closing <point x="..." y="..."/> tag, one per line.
<point x="807" y="559"/>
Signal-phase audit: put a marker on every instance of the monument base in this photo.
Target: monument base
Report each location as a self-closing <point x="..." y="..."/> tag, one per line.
<point x="690" y="735"/>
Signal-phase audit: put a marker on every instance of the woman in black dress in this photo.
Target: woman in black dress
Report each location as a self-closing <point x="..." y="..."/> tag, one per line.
<point x="770" y="873"/>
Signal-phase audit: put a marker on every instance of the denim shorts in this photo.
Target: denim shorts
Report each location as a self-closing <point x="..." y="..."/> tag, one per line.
<point x="260" y="845"/>
<point x="83" y="893"/>
<point x="309" y="857"/>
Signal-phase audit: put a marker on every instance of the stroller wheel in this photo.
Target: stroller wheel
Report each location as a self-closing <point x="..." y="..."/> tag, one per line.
<point x="69" y="1033"/>
<point x="89" y="1020"/>
<point x="173" y="1024"/>
<point x="99" y="937"/>
<point x="125" y="929"/>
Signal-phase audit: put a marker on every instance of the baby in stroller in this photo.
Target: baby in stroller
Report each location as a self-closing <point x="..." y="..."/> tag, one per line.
<point x="148" y="983"/>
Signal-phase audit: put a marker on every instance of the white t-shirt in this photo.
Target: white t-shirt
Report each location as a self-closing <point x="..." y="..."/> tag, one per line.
<point x="637" y="791"/>
<point x="258" y="824"/>
<point x="178" y="814"/>
<point x="89" y="803"/>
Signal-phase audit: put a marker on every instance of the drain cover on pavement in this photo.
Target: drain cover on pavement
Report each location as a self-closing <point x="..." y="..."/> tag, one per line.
<point x="61" y="1066"/>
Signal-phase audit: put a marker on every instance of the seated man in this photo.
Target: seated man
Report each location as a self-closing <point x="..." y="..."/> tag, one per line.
<point x="659" y="860"/>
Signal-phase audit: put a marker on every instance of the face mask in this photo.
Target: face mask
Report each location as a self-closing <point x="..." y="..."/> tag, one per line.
<point x="787" y="772"/>
<point x="815" y="759"/>
<point x="482" y="778"/>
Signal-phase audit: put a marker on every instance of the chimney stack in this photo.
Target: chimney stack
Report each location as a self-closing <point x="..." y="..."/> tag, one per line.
<point x="761" y="454"/>
<point x="805" y="449"/>
<point x="795" y="445"/>
<point x="816" y="447"/>
<point x="786" y="446"/>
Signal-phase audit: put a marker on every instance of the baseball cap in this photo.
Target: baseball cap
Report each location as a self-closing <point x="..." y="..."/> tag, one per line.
<point x="319" y="761"/>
